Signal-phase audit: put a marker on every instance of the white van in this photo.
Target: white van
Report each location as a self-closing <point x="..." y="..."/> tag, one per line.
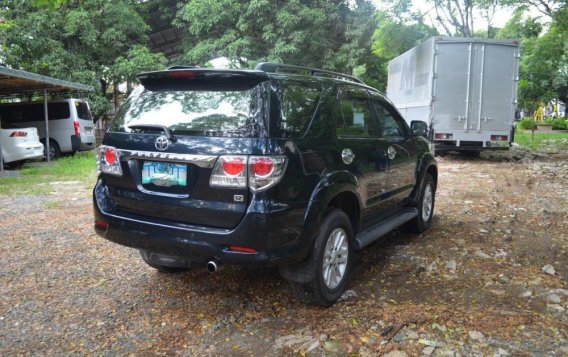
<point x="71" y="126"/>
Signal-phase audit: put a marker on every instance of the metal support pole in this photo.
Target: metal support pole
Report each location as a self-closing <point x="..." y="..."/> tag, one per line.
<point x="46" y="124"/>
<point x="1" y="153"/>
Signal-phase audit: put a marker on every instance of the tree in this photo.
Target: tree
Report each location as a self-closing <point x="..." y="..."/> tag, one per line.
<point x="334" y="35"/>
<point x="138" y="59"/>
<point x="398" y="30"/>
<point x="79" y="41"/>
<point x="544" y="58"/>
<point x="457" y="18"/>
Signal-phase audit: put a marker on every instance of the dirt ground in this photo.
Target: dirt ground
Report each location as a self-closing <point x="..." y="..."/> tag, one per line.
<point x="473" y="285"/>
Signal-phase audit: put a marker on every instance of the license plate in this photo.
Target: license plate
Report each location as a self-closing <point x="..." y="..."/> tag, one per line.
<point x="164" y="174"/>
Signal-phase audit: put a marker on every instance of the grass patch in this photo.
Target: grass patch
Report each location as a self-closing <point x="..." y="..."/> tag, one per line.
<point x="524" y="138"/>
<point x="41" y="177"/>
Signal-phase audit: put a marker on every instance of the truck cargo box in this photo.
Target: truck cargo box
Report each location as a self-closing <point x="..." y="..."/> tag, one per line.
<point x="465" y="89"/>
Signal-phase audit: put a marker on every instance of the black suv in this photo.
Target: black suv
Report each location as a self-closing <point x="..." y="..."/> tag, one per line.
<point x="279" y="166"/>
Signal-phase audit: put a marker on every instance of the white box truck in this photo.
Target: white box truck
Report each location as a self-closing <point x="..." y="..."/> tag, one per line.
<point x="465" y="89"/>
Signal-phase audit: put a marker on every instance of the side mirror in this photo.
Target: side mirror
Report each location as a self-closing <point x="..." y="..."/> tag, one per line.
<point x="419" y="128"/>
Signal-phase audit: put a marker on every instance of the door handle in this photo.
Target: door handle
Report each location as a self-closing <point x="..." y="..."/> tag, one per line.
<point x="347" y="156"/>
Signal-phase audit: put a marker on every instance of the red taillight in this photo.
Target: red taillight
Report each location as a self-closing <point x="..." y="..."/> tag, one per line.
<point x="262" y="166"/>
<point x="108" y="160"/>
<point x="101" y="224"/>
<point x="18" y="134"/>
<point x="443" y="136"/>
<point x="499" y="138"/>
<point x="235" y="248"/>
<point x="233" y="166"/>
<point x="77" y="126"/>
<point x="181" y="74"/>
<point x="110" y="156"/>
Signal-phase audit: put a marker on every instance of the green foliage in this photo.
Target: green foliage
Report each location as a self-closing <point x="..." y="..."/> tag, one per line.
<point x="50" y="4"/>
<point x="526" y="124"/>
<point x="560" y="124"/>
<point x="520" y="27"/>
<point x="333" y="35"/>
<point x="392" y="37"/>
<point x="138" y="59"/>
<point x="79" y="41"/>
<point x="540" y="140"/>
<point x="35" y="177"/>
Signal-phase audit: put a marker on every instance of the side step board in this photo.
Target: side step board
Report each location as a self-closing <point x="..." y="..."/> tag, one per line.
<point x="370" y="235"/>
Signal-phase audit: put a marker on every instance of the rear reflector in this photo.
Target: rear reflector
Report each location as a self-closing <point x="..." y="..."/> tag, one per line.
<point x="443" y="136"/>
<point x="499" y="138"/>
<point x="18" y="134"/>
<point x="235" y="248"/>
<point x="101" y="224"/>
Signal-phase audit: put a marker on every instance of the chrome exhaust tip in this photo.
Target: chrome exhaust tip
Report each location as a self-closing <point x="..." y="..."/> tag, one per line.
<point x="213" y="266"/>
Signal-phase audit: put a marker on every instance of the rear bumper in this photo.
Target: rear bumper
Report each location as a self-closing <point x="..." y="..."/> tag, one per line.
<point x="25" y="151"/>
<point x="442" y="147"/>
<point x="276" y="236"/>
<point x="88" y="142"/>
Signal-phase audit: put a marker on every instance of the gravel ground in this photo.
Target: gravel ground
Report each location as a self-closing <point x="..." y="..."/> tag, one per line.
<point x="489" y="278"/>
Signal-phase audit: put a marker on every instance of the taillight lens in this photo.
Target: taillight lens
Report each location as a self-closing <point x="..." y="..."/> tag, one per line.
<point x="443" y="136"/>
<point x="108" y="160"/>
<point x="77" y="127"/>
<point x="233" y="166"/>
<point x="229" y="171"/>
<point x="265" y="171"/>
<point x="261" y="172"/>
<point x="499" y="138"/>
<point x="18" y="134"/>
<point x="261" y="166"/>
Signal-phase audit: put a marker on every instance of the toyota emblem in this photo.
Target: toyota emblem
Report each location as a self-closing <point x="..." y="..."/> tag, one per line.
<point x="162" y="143"/>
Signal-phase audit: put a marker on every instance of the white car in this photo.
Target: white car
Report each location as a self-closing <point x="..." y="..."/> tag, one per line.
<point x="20" y="144"/>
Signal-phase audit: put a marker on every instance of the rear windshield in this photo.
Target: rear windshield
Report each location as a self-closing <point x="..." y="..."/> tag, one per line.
<point x="237" y="113"/>
<point x="83" y="111"/>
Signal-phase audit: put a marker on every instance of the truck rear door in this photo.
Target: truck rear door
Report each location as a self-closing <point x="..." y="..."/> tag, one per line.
<point x="495" y="92"/>
<point x="452" y="78"/>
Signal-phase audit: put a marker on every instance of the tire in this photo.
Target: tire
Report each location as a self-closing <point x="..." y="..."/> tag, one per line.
<point x="54" y="150"/>
<point x="331" y="261"/>
<point x="161" y="268"/>
<point x="425" y="206"/>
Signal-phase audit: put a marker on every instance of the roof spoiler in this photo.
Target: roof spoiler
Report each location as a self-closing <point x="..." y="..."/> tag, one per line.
<point x="194" y="78"/>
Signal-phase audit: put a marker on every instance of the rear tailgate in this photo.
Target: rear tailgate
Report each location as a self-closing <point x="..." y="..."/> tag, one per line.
<point x="168" y="178"/>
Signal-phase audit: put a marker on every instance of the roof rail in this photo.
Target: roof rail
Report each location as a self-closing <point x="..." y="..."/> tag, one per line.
<point x="276" y="67"/>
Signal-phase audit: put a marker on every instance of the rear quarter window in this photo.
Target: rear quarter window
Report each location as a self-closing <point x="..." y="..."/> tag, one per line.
<point x="83" y="111"/>
<point x="298" y="104"/>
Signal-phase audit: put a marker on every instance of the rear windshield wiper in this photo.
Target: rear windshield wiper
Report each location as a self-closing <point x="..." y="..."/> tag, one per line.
<point x="163" y="128"/>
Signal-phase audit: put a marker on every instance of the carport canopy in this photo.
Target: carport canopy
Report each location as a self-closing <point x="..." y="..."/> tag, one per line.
<point x="16" y="83"/>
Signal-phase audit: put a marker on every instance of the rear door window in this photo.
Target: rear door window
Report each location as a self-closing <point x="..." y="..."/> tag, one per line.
<point x="390" y="125"/>
<point x="356" y="119"/>
<point x="234" y="113"/>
